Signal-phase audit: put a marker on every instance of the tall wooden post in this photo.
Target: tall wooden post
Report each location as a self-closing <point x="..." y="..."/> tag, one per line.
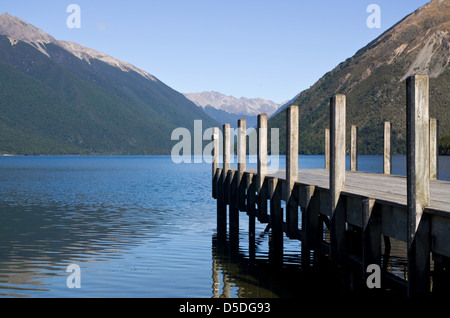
<point x="418" y="187"/>
<point x="327" y="149"/>
<point x="337" y="176"/>
<point x="262" y="167"/>
<point x="215" y="161"/>
<point x="387" y="157"/>
<point x="226" y="148"/>
<point x="354" y="148"/>
<point x="242" y="161"/>
<point x="222" y="198"/>
<point x="216" y="140"/>
<point x="434" y="149"/>
<point x="242" y="147"/>
<point x="291" y="171"/>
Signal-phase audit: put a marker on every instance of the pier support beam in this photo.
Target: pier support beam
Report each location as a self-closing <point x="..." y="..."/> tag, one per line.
<point x="337" y="176"/>
<point x="434" y="149"/>
<point x="223" y="197"/>
<point x="242" y="147"/>
<point x="418" y="186"/>
<point x="371" y="231"/>
<point x="291" y="171"/>
<point x="215" y="160"/>
<point x="262" y="168"/>
<point x="242" y="161"/>
<point x="354" y="148"/>
<point x="387" y="157"/>
<point x="327" y="149"/>
<point x="226" y="149"/>
<point x="276" y="221"/>
<point x="311" y="236"/>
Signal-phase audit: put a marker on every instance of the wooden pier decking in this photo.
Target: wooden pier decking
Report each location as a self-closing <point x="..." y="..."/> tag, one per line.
<point x="359" y="209"/>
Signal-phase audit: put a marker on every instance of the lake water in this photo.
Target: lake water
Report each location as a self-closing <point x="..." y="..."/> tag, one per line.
<point x="136" y="227"/>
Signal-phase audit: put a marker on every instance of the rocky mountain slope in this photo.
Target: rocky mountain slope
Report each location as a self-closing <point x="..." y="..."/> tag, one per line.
<point x="374" y="82"/>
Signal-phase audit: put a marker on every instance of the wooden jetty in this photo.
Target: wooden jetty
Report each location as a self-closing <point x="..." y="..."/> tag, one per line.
<point x="360" y="210"/>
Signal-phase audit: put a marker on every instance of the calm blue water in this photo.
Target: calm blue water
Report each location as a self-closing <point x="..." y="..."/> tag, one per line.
<point x="136" y="227"/>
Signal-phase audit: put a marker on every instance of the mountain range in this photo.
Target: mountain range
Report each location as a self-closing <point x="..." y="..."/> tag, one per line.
<point x="229" y="109"/>
<point x="374" y="82"/>
<point x="59" y="97"/>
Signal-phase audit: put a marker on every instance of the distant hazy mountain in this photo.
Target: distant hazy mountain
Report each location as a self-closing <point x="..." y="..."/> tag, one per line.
<point x="58" y="97"/>
<point x="374" y="82"/>
<point x="228" y="109"/>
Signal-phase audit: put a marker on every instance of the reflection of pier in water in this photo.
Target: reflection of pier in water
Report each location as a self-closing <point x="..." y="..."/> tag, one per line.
<point x="234" y="274"/>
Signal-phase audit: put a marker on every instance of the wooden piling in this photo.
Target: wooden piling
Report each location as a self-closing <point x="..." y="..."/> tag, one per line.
<point x="371" y="231"/>
<point x="276" y="221"/>
<point x="311" y="235"/>
<point x="221" y="208"/>
<point x="251" y="211"/>
<point x="223" y="188"/>
<point x="418" y="187"/>
<point x="215" y="159"/>
<point x="354" y="148"/>
<point x="262" y="168"/>
<point x="242" y="147"/>
<point x="387" y="157"/>
<point x="434" y="149"/>
<point x="242" y="161"/>
<point x="226" y="148"/>
<point x="291" y="171"/>
<point x="327" y="149"/>
<point x="337" y="176"/>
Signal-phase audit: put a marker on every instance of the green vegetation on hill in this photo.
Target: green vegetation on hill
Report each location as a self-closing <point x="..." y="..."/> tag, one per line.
<point x="63" y="105"/>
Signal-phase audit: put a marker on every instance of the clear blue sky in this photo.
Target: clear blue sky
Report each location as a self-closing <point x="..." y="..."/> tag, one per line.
<point x="272" y="49"/>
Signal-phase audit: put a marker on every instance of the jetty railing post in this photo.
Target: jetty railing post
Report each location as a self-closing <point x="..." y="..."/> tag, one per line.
<point x="222" y="199"/>
<point x="337" y="176"/>
<point x="216" y="140"/>
<point x="242" y="147"/>
<point x="387" y="157"/>
<point x="262" y="167"/>
<point x="291" y="171"/>
<point x="242" y="161"/>
<point x="327" y="149"/>
<point x="354" y="148"/>
<point x="226" y="148"/>
<point x="215" y="161"/>
<point x="434" y="149"/>
<point x="418" y="187"/>
<point x="235" y="181"/>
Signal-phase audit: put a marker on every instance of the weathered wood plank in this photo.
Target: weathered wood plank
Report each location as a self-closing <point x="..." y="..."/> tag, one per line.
<point x="291" y="171"/>
<point x="418" y="185"/>
<point x="354" y="148"/>
<point x="337" y="176"/>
